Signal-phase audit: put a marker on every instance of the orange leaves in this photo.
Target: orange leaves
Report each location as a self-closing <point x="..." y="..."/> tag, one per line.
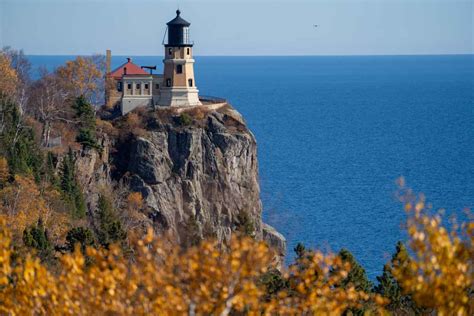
<point x="4" y="171"/>
<point x="135" y="200"/>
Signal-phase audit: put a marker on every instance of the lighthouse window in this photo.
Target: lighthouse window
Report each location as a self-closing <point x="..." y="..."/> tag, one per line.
<point x="119" y="86"/>
<point x="188" y="51"/>
<point x="138" y="86"/>
<point x="168" y="82"/>
<point x="186" y="35"/>
<point x="179" y="69"/>
<point x="129" y="86"/>
<point x="170" y="51"/>
<point x="190" y="82"/>
<point x="146" y="86"/>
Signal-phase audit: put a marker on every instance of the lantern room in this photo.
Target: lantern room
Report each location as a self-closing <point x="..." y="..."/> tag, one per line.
<point x="178" y="32"/>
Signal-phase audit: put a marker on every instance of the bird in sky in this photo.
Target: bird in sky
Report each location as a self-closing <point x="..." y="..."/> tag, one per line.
<point x="316" y="25"/>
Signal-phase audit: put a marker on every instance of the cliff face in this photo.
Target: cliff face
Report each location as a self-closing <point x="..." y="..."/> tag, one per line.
<point x="198" y="178"/>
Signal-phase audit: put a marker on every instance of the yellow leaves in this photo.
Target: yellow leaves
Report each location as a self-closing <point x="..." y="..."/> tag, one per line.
<point x="441" y="271"/>
<point x="317" y="290"/>
<point x="8" y="78"/>
<point x="80" y="77"/>
<point x="212" y="279"/>
<point x="23" y="203"/>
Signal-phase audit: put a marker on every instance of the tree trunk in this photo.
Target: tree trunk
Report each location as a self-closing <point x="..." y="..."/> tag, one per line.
<point x="46" y="134"/>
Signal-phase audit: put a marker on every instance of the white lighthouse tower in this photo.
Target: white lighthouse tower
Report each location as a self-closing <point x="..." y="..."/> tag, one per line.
<point x="179" y="86"/>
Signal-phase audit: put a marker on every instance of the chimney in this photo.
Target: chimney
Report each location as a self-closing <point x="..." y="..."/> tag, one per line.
<point x="129" y="60"/>
<point x="108" y="60"/>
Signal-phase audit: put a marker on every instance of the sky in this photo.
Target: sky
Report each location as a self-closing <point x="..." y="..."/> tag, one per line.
<point x="245" y="27"/>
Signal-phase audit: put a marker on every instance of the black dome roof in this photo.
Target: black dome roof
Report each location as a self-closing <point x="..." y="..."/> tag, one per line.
<point x="178" y="21"/>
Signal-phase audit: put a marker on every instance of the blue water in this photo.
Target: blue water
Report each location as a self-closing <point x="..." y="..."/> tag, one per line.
<point x="334" y="133"/>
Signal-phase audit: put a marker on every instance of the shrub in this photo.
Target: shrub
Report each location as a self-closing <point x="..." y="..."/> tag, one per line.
<point x="185" y="119"/>
<point x="245" y="224"/>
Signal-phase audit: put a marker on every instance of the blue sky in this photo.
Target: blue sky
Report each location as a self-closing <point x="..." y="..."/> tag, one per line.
<point x="231" y="27"/>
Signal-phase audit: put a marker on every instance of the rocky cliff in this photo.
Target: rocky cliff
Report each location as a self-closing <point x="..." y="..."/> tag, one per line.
<point x="197" y="173"/>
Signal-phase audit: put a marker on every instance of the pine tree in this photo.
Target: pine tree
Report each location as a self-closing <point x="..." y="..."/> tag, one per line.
<point x="300" y="251"/>
<point x="389" y="287"/>
<point x="37" y="237"/>
<point x="70" y="187"/>
<point x="85" y="113"/>
<point x="274" y="282"/>
<point x="110" y="228"/>
<point x="79" y="235"/>
<point x="356" y="277"/>
<point x="17" y="141"/>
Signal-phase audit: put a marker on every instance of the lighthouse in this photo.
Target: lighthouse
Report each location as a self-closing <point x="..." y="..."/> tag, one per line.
<point x="179" y="85"/>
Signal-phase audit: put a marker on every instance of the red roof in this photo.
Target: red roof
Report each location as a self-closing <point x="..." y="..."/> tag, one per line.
<point x="128" y="68"/>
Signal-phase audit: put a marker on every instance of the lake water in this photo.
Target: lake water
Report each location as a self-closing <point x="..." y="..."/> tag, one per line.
<point x="334" y="133"/>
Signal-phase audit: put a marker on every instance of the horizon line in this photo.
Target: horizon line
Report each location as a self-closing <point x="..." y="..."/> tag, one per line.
<point x="296" y="55"/>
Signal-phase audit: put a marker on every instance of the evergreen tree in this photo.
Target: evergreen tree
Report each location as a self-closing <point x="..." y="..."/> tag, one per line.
<point x="110" y="228"/>
<point x="86" y="137"/>
<point x="302" y="256"/>
<point x="300" y="251"/>
<point x="274" y="282"/>
<point x="79" y="235"/>
<point x="356" y="277"/>
<point x="17" y="141"/>
<point x="85" y="113"/>
<point x="70" y="187"/>
<point x="37" y="237"/>
<point x="389" y="287"/>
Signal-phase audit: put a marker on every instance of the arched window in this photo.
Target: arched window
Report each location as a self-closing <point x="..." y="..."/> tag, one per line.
<point x="190" y="82"/>
<point x="188" y="51"/>
<point x="168" y="82"/>
<point x="170" y="51"/>
<point x="179" y="69"/>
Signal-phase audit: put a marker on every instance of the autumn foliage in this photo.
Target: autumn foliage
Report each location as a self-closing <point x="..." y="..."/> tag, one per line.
<point x="54" y="262"/>
<point x="440" y="274"/>
<point x="8" y="77"/>
<point x="214" y="279"/>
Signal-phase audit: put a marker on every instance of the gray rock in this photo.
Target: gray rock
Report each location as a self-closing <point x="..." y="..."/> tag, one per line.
<point x="196" y="177"/>
<point x="274" y="239"/>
